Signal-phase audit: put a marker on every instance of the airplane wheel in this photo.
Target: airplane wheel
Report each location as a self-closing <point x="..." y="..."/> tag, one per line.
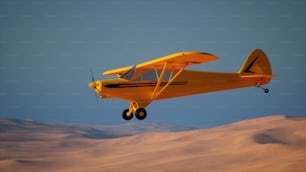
<point x="266" y="90"/>
<point x="141" y="113"/>
<point x="126" y="115"/>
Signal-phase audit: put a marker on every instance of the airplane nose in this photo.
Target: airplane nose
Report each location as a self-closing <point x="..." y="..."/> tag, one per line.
<point x="92" y="85"/>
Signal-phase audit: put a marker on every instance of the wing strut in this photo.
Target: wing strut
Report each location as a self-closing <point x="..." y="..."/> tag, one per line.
<point x="169" y="82"/>
<point x="158" y="91"/>
<point x="159" y="81"/>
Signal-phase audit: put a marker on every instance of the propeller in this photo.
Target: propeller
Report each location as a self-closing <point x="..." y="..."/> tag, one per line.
<point x="92" y="76"/>
<point x="93" y="85"/>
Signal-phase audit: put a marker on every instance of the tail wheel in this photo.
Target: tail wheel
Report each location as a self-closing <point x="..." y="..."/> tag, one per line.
<point x="266" y="90"/>
<point x="126" y="115"/>
<point x="141" y="113"/>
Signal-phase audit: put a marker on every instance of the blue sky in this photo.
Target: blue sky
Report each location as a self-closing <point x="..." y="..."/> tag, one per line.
<point x="48" y="47"/>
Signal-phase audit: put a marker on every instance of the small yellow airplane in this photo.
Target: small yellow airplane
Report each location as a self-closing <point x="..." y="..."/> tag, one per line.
<point x="166" y="77"/>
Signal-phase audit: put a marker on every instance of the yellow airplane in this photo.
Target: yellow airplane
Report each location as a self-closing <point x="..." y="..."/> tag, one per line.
<point x="166" y="77"/>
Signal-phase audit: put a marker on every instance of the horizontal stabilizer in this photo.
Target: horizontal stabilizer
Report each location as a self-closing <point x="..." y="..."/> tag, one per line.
<point x="259" y="76"/>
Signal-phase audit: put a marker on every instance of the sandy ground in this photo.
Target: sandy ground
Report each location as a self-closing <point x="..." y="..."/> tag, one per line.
<point x="274" y="143"/>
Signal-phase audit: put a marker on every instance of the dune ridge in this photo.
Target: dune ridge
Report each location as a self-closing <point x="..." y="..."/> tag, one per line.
<point x="273" y="143"/>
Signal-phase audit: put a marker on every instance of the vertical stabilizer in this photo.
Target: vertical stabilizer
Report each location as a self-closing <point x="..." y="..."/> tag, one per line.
<point x="256" y="64"/>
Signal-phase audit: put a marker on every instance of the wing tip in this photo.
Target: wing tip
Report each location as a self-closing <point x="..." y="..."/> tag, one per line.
<point x="196" y="52"/>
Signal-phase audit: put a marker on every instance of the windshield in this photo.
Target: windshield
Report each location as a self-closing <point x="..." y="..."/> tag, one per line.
<point x="128" y="74"/>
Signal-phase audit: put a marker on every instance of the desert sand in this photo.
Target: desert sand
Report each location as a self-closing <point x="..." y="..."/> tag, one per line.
<point x="273" y="143"/>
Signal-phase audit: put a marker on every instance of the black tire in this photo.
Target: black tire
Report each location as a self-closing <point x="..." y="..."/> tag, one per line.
<point x="266" y="90"/>
<point x="126" y="115"/>
<point x="141" y="113"/>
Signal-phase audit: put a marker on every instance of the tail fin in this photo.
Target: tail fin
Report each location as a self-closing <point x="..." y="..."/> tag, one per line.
<point x="256" y="64"/>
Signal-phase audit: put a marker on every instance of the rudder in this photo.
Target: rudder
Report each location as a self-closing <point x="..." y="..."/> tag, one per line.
<point x="256" y="64"/>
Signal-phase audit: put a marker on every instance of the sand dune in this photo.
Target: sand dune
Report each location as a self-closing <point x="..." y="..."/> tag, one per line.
<point x="274" y="143"/>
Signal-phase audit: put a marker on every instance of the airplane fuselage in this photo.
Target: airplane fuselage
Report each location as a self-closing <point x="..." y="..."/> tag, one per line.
<point x="187" y="82"/>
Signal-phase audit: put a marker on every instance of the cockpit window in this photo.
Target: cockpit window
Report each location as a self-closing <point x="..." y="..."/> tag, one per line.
<point x="147" y="76"/>
<point x="167" y="75"/>
<point x="153" y="75"/>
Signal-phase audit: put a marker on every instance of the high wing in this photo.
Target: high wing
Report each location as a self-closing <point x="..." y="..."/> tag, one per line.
<point x="178" y="60"/>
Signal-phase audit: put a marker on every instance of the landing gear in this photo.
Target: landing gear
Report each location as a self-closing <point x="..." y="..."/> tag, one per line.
<point x="266" y="90"/>
<point x="126" y="115"/>
<point x="140" y="114"/>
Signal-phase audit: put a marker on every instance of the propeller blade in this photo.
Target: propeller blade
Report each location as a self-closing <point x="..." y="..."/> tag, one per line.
<point x="93" y="80"/>
<point x="97" y="98"/>
<point x="92" y="76"/>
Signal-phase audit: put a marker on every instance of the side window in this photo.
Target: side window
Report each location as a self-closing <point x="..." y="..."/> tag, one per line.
<point x="151" y="75"/>
<point x="167" y="75"/>
<point x="147" y="76"/>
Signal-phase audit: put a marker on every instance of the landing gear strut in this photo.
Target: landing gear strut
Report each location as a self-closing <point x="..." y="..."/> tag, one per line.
<point x="266" y="90"/>
<point x="140" y="114"/>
